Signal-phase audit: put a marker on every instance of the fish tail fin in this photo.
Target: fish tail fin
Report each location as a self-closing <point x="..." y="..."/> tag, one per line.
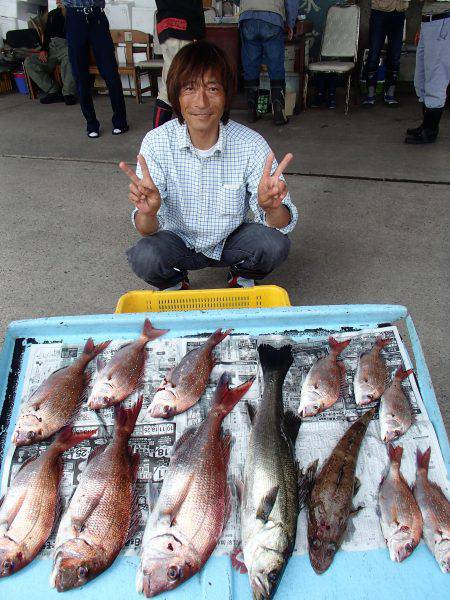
<point x="149" y="333"/>
<point x="395" y="454"/>
<point x="125" y="418"/>
<point x="67" y="438"/>
<point x="90" y="351"/>
<point x="401" y="374"/>
<point x="337" y="347"/>
<point x="381" y="342"/>
<point x="218" y="336"/>
<point x="423" y="459"/>
<point x="275" y="359"/>
<point x="225" y="398"/>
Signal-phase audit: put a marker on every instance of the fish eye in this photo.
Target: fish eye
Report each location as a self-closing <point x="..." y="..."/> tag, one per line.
<point x="173" y="573"/>
<point x="272" y="576"/>
<point x="316" y="542"/>
<point x="82" y="572"/>
<point x="31" y="435"/>
<point x="166" y="409"/>
<point x="8" y="565"/>
<point x="409" y="547"/>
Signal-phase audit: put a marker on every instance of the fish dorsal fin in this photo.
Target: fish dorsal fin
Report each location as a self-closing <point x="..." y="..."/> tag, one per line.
<point x="356" y="486"/>
<point x="152" y="496"/>
<point x="136" y="516"/>
<point x="95" y="453"/>
<point x="291" y="425"/>
<point x="266" y="504"/>
<point x="239" y="486"/>
<point x="184" y="438"/>
<point x="100" y="363"/>
<point x="305" y="484"/>
<point x="135" y="459"/>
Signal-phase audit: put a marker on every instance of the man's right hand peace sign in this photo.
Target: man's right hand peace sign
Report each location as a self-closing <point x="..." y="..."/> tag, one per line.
<point x="143" y="192"/>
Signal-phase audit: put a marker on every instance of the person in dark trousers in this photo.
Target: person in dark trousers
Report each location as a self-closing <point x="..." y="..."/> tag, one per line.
<point x="261" y="24"/>
<point x="198" y="176"/>
<point x="87" y="27"/>
<point x="432" y="75"/>
<point x="387" y="19"/>
<point x="178" y="22"/>
<point x="54" y="52"/>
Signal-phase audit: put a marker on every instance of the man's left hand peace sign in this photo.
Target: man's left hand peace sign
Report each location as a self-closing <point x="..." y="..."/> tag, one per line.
<point x="272" y="190"/>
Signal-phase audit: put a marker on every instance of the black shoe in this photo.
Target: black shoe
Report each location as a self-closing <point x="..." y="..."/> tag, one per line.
<point x="277" y="93"/>
<point x="417" y="130"/>
<point x="430" y="129"/>
<point x="52" y="98"/>
<point x="120" y="130"/>
<point x="70" y="99"/>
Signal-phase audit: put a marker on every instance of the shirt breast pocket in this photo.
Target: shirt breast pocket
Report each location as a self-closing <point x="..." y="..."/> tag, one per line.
<point x="231" y="200"/>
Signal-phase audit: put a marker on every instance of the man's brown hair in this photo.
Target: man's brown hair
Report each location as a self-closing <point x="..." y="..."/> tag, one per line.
<point x="190" y="64"/>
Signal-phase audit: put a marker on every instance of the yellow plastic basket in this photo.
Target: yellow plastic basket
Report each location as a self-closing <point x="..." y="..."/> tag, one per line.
<point x="263" y="296"/>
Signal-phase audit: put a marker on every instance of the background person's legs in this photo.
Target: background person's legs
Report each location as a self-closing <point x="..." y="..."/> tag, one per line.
<point x="163" y="110"/>
<point x="59" y="49"/>
<point x="40" y="73"/>
<point x="377" y="35"/>
<point x="394" y="30"/>
<point x="273" y="42"/>
<point x="103" y="49"/>
<point x="77" y="31"/>
<point x="252" y="55"/>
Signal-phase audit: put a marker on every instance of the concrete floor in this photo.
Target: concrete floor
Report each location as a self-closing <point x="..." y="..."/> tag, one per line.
<point x="373" y="215"/>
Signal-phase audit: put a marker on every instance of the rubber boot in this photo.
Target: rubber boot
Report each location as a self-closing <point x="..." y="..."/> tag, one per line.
<point x="331" y="91"/>
<point x="162" y="113"/>
<point x="251" y="94"/>
<point x="371" y="81"/>
<point x="277" y="88"/>
<point x="430" y="128"/>
<point x="319" y="94"/>
<point x="417" y="130"/>
<point x="389" y="89"/>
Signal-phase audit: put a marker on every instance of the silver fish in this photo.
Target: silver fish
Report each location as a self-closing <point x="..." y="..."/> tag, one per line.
<point x="270" y="498"/>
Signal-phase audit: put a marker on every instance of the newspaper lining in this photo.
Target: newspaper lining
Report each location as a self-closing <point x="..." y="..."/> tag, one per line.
<point x="155" y="438"/>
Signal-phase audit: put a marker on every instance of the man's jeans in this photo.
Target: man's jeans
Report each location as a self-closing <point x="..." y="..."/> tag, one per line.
<point x="262" y="42"/>
<point x="92" y="30"/>
<point x="252" y="251"/>
<point x="384" y="24"/>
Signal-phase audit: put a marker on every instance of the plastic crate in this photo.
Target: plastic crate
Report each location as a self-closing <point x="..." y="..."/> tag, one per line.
<point x="263" y="296"/>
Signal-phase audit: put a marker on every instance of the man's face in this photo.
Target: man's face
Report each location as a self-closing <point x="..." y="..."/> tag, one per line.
<point x="202" y="103"/>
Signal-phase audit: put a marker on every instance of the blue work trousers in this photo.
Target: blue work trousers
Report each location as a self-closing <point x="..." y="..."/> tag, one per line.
<point x="432" y="74"/>
<point x="385" y="24"/>
<point x="262" y="43"/>
<point x="91" y="30"/>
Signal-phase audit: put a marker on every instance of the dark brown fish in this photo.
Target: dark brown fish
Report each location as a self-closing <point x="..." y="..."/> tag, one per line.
<point x="122" y="375"/>
<point x="30" y="507"/>
<point x="184" y="384"/>
<point x="96" y="524"/>
<point x="331" y="498"/>
<point x="435" y="509"/>
<point x="54" y="403"/>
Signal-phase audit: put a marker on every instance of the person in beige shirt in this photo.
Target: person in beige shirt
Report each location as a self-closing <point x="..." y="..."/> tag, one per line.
<point x="387" y="19"/>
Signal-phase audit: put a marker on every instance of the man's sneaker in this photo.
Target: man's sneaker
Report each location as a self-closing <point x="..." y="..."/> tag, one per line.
<point x="181" y="285"/>
<point x="368" y="102"/>
<point x="51" y="98"/>
<point x="391" y="101"/>
<point x="236" y="281"/>
<point x="331" y="103"/>
<point x="70" y="99"/>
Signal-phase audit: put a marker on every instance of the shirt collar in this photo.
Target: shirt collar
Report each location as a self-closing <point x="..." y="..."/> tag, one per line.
<point x="184" y="139"/>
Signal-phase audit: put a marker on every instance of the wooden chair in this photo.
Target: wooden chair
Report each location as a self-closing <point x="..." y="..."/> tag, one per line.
<point x="134" y="42"/>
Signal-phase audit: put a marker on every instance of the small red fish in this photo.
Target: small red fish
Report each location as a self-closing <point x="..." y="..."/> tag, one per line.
<point x="183" y="385"/>
<point x="55" y="402"/>
<point x="371" y="374"/>
<point x="321" y="387"/>
<point x="122" y="375"/>
<point x="30" y="507"/>
<point x="395" y="410"/>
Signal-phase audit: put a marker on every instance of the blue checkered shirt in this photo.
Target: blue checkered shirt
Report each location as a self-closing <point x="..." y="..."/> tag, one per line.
<point x="205" y="199"/>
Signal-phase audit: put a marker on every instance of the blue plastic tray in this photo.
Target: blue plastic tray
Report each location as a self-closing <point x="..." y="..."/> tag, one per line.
<point x="353" y="575"/>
